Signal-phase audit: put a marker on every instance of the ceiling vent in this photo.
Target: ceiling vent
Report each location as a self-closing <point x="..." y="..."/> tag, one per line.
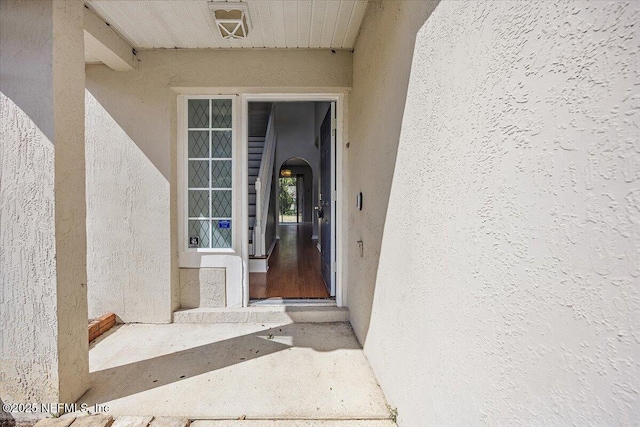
<point x="231" y="18"/>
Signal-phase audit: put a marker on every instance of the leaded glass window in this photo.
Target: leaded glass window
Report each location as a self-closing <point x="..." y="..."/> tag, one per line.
<point x="209" y="173"/>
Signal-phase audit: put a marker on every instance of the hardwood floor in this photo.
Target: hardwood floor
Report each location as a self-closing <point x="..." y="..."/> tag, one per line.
<point x="294" y="267"/>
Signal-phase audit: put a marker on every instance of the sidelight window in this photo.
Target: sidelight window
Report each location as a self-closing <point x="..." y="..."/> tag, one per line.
<point x="209" y="173"/>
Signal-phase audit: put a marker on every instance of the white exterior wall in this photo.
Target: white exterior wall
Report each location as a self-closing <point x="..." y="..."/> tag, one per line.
<point x="43" y="297"/>
<point x="132" y="157"/>
<point x="507" y="287"/>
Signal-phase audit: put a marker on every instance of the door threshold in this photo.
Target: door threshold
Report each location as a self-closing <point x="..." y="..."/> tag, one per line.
<point x="298" y="302"/>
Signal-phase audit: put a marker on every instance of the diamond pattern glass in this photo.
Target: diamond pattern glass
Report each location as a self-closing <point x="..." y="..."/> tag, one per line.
<point x="221" y="144"/>
<point x="198" y="113"/>
<point x="200" y="229"/>
<point x="199" y="173"/>
<point x="221" y="237"/>
<point x="221" y="204"/>
<point x="199" y="144"/>
<point x="221" y="174"/>
<point x="199" y="203"/>
<point x="205" y="173"/>
<point x="221" y="113"/>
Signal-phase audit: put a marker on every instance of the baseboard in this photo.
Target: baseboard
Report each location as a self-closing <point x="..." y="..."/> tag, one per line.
<point x="258" y="265"/>
<point x="261" y="265"/>
<point x="273" y="245"/>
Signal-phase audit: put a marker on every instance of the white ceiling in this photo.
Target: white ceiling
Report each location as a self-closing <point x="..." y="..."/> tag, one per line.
<point x="149" y="24"/>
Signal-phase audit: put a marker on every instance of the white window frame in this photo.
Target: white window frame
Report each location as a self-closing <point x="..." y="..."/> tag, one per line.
<point x="183" y="179"/>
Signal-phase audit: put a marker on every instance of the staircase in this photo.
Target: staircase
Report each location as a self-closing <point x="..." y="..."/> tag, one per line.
<point x="260" y="175"/>
<point x="256" y="148"/>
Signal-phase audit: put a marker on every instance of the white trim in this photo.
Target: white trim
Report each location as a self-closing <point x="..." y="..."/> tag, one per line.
<point x="291" y="90"/>
<point x="258" y="265"/>
<point x="228" y="258"/>
<point x="333" y="137"/>
<point x="310" y="302"/>
<point x="261" y="265"/>
<point x="283" y="95"/>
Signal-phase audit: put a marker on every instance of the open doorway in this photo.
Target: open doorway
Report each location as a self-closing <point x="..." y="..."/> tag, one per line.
<point x="294" y="144"/>
<point x="288" y="200"/>
<point x="295" y="194"/>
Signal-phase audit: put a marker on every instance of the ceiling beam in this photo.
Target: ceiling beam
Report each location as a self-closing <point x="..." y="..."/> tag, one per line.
<point x="103" y="42"/>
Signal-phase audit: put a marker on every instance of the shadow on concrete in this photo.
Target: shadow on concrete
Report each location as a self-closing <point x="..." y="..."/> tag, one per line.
<point x="147" y="374"/>
<point x="6" y="419"/>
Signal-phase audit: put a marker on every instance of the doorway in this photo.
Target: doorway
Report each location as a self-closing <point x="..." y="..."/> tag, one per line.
<point x="301" y="264"/>
<point x="295" y="194"/>
<point x="289" y="200"/>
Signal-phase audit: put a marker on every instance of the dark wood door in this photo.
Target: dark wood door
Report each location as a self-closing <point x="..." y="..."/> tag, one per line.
<point x="325" y="200"/>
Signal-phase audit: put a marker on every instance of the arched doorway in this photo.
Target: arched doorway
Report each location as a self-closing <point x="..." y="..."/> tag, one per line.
<point x="295" y="192"/>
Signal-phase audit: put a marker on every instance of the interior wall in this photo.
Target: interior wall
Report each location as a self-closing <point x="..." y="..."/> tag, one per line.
<point x="506" y="288"/>
<point x="506" y="291"/>
<point x="131" y="170"/>
<point x="295" y="125"/>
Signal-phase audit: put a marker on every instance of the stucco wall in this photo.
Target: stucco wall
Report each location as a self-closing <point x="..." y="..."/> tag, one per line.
<point x="202" y="287"/>
<point x="128" y="224"/>
<point x="43" y="300"/>
<point x="381" y="69"/>
<point x="131" y="162"/>
<point x="506" y="291"/>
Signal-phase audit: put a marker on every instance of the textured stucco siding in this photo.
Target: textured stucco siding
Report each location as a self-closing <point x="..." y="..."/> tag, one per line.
<point x="27" y="271"/>
<point x="202" y="287"/>
<point x="381" y="69"/>
<point x="43" y="306"/>
<point x="507" y="286"/>
<point x="132" y="159"/>
<point x="128" y="229"/>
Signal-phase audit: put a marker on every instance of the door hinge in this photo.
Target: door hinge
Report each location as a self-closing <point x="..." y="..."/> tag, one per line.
<point x="334" y="196"/>
<point x="334" y="126"/>
<point x="334" y="267"/>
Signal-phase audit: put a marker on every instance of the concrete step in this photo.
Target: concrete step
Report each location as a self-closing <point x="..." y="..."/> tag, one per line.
<point x="263" y="314"/>
<point x="293" y="423"/>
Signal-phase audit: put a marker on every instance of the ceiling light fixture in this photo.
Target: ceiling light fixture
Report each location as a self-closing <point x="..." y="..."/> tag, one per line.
<point x="232" y="19"/>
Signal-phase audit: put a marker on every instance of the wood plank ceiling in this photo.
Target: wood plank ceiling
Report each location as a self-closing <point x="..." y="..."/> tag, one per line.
<point x="188" y="24"/>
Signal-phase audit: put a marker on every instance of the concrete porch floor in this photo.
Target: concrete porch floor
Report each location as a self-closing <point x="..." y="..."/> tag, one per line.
<point x="269" y="371"/>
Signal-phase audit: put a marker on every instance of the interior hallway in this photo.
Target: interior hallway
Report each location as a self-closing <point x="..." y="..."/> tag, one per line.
<point x="294" y="267"/>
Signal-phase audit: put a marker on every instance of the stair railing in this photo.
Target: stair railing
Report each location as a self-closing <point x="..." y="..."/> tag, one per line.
<point x="263" y="187"/>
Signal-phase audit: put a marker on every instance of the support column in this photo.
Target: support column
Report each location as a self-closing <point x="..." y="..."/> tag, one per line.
<point x="43" y="294"/>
